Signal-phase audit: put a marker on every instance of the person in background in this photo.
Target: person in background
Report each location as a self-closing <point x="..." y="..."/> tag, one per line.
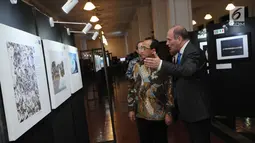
<point x="189" y="84"/>
<point x="133" y="61"/>
<point x="150" y="100"/>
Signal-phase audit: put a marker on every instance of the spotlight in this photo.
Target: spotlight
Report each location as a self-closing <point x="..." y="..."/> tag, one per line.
<point x="69" y="5"/>
<point x="95" y="35"/>
<point x="14" y="1"/>
<point x="87" y="28"/>
<point x="68" y="31"/>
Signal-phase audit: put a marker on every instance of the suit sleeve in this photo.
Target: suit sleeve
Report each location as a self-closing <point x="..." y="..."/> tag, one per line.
<point x="188" y="68"/>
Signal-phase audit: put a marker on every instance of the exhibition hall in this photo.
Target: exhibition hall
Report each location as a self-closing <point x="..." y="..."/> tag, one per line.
<point x="127" y="71"/>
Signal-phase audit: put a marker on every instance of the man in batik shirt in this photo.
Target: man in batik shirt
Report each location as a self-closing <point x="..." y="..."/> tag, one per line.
<point x="150" y="100"/>
<point x="133" y="61"/>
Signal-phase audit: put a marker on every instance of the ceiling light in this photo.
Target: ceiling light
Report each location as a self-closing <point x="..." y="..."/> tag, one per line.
<point x="230" y="6"/>
<point x="89" y="6"/>
<point x="194" y="22"/>
<point x="69" y="5"/>
<point x="94" y="19"/>
<point x="208" y="16"/>
<point x="98" y="26"/>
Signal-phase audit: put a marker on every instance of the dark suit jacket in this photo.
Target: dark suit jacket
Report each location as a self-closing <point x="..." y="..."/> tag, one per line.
<point x="189" y="84"/>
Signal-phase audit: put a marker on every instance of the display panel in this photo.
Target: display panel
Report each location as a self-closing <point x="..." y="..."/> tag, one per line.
<point x="57" y="71"/>
<point x="234" y="47"/>
<point x="75" y="70"/>
<point x="23" y="80"/>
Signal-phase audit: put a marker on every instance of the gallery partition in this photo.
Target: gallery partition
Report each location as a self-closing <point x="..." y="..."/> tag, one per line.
<point x="67" y="123"/>
<point x="230" y="52"/>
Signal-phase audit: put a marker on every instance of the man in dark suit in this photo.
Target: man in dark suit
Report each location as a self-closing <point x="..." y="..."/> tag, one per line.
<point x="189" y="85"/>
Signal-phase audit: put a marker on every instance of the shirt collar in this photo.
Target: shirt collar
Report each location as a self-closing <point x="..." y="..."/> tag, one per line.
<point x="183" y="47"/>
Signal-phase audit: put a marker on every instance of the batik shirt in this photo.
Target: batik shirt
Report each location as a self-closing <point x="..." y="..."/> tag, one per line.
<point x="130" y="67"/>
<point x="150" y="94"/>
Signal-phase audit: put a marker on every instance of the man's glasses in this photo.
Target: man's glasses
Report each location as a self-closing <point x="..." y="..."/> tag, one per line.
<point x="142" y="48"/>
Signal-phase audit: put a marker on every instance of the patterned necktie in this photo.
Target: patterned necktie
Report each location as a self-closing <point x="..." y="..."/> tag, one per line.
<point x="179" y="58"/>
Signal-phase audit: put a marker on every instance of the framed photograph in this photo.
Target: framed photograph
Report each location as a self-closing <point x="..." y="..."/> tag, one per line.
<point x="57" y="71"/>
<point x="234" y="47"/>
<point x="74" y="68"/>
<point x="23" y="80"/>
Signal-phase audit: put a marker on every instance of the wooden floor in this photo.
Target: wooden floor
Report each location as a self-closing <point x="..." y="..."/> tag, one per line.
<point x="99" y="120"/>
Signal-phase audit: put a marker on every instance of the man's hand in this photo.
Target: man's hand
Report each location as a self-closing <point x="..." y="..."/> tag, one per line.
<point x="152" y="62"/>
<point x="131" y="116"/>
<point x="168" y="119"/>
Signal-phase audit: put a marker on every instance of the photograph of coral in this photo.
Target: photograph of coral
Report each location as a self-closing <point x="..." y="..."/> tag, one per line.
<point x="26" y="91"/>
<point x="74" y="65"/>
<point x="58" y="71"/>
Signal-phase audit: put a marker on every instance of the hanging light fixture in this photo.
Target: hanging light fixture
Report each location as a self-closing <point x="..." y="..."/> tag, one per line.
<point x="94" y="19"/>
<point x="208" y="16"/>
<point x="194" y="22"/>
<point x="89" y="6"/>
<point x="98" y="26"/>
<point x="230" y="6"/>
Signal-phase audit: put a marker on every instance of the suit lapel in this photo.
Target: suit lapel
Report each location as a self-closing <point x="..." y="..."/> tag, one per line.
<point x="185" y="53"/>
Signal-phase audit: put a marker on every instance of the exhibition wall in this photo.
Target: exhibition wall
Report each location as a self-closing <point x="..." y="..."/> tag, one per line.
<point x="67" y="123"/>
<point x="231" y="67"/>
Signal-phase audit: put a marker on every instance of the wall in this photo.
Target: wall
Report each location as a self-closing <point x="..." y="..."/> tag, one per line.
<point x="65" y="124"/>
<point x="93" y="44"/>
<point x="117" y="46"/>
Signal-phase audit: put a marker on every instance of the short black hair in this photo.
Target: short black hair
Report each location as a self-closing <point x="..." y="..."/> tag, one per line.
<point x="180" y="31"/>
<point x="154" y="44"/>
<point x="137" y="44"/>
<point x="148" y="38"/>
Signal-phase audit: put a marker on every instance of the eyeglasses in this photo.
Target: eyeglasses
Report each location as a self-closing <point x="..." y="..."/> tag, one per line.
<point x="142" y="48"/>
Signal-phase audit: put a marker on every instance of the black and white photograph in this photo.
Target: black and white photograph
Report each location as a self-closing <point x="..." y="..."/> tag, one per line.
<point x="58" y="71"/>
<point x="56" y="58"/>
<point x="25" y="86"/>
<point x="232" y="47"/>
<point x="23" y="79"/>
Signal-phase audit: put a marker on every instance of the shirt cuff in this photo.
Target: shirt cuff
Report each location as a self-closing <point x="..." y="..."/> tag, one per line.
<point x="160" y="64"/>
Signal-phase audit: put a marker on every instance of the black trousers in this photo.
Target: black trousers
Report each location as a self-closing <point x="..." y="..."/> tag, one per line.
<point x="152" y="131"/>
<point x="199" y="131"/>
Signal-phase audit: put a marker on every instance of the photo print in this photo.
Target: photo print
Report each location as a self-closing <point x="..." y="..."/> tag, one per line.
<point x="74" y="65"/>
<point x="25" y="86"/>
<point x="58" y="71"/>
<point x="232" y="47"/>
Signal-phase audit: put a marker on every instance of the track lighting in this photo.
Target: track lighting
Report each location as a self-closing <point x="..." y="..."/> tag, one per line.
<point x="95" y="35"/>
<point x="87" y="27"/>
<point x="69" y="5"/>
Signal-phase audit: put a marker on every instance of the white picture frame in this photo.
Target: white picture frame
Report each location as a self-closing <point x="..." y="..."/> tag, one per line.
<point x="23" y="80"/>
<point x="234" y="47"/>
<point x="202" y="44"/>
<point x="57" y="72"/>
<point x="74" y="68"/>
